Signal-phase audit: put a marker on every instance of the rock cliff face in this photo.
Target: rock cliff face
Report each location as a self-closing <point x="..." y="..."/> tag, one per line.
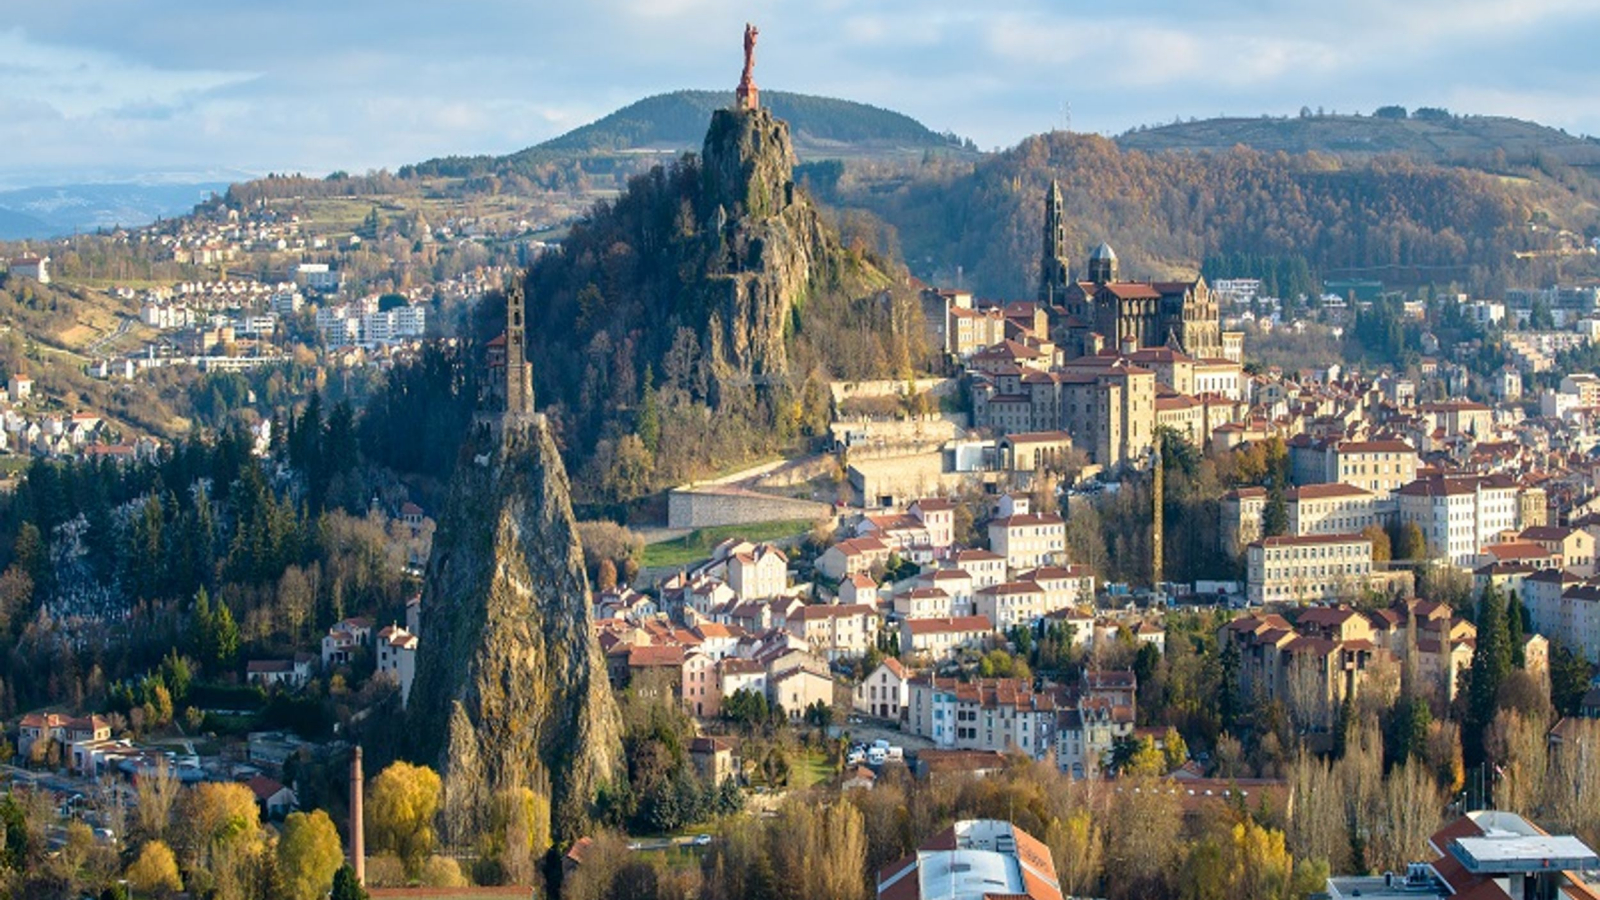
<point x="510" y="688"/>
<point x="771" y="248"/>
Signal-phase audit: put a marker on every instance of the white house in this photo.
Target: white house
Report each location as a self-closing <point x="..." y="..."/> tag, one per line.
<point x="883" y="693"/>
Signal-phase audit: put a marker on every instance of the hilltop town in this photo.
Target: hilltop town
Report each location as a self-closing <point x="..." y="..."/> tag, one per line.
<point x="689" y="548"/>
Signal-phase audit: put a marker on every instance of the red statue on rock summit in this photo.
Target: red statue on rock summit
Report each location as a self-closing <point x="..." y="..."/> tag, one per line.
<point x="747" y="94"/>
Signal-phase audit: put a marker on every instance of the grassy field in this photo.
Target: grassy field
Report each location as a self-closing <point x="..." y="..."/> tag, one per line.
<point x="697" y="544"/>
<point x="810" y="769"/>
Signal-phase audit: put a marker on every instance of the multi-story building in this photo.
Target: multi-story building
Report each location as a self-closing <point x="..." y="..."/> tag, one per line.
<point x="835" y="631"/>
<point x="885" y="691"/>
<point x="397" y="654"/>
<point x="1004" y="714"/>
<point x="1029" y="540"/>
<point x="1011" y="603"/>
<point x="942" y="637"/>
<point x="1566" y="609"/>
<point x="759" y="573"/>
<point x="1379" y="466"/>
<point x="1242" y="509"/>
<point x="1105" y="403"/>
<point x="1303" y="569"/>
<point x="1459" y="514"/>
<point x="1087" y="732"/>
<point x="984" y="566"/>
<point x="1336" y="508"/>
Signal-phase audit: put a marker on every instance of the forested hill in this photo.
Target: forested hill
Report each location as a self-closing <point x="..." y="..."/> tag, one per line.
<point x="1427" y="135"/>
<point x="821" y="127"/>
<point x="1381" y="216"/>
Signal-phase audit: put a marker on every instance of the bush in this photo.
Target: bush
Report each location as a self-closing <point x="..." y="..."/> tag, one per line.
<point x="442" y="871"/>
<point x="385" y="871"/>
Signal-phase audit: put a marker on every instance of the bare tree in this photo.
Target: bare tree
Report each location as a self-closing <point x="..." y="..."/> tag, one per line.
<point x="1411" y="813"/>
<point x="1317" y="827"/>
<point x="158" y="792"/>
<point x="1572" y="794"/>
<point x="1517" y="742"/>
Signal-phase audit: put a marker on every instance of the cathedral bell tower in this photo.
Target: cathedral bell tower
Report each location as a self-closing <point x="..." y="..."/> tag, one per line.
<point x="519" y="378"/>
<point x="1053" y="269"/>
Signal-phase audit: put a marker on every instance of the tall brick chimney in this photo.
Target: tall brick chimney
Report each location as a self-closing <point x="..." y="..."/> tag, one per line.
<point x="358" y="839"/>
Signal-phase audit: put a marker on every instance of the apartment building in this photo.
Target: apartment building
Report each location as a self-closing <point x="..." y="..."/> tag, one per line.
<point x="1003" y="714"/>
<point x="1459" y="514"/>
<point x="1308" y="568"/>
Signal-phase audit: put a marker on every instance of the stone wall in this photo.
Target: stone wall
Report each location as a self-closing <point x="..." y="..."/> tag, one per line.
<point x="711" y="505"/>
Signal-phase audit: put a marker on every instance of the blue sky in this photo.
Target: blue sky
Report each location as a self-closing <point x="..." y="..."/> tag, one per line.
<point x="97" y="89"/>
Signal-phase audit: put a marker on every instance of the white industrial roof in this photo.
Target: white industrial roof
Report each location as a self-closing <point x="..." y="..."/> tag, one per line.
<point x="1506" y="852"/>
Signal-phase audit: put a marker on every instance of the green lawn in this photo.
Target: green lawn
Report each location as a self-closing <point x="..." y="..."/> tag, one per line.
<point x="810" y="769"/>
<point x="697" y="544"/>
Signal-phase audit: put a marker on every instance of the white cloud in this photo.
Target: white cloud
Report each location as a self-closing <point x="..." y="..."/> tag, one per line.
<point x="77" y="82"/>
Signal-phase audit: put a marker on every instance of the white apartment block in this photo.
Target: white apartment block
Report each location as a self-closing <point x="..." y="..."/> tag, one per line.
<point x="1028" y="541"/>
<point x="1459" y="514"/>
<point x="1335" y="508"/>
<point x="1565" y="609"/>
<point x="1308" y="568"/>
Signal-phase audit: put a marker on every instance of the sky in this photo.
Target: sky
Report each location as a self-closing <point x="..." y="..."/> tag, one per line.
<point x="94" y="90"/>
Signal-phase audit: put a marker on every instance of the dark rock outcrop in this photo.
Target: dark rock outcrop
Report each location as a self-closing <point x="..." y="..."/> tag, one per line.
<point x="772" y="248"/>
<point x="510" y="689"/>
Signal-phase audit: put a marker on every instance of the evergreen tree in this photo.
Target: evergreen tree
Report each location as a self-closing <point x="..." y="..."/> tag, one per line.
<point x="1346" y="724"/>
<point x="345" y="885"/>
<point x="224" y="639"/>
<point x="1491" y="662"/>
<point x="1228" y="702"/>
<point x="649" y="413"/>
<point x="1514" y="631"/>
<point x="1275" y="517"/>
<point x="200" y="639"/>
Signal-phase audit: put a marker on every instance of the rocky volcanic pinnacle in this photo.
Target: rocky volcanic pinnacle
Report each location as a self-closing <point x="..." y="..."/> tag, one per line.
<point x="773" y="246"/>
<point x="510" y="688"/>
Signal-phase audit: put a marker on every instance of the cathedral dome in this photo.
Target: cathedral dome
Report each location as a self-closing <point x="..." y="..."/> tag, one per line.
<point x="1103" y="251"/>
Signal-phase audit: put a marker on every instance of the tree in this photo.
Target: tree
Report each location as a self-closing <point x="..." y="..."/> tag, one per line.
<point x="1491" y="662"/>
<point x="1569" y="679"/>
<point x="309" y="853"/>
<point x="158" y="791"/>
<point x="345" y="885"/>
<point x="606" y="576"/>
<point x="1275" y="516"/>
<point x="1076" y="844"/>
<point x="1410" y="814"/>
<point x="221" y="830"/>
<point x="401" y="805"/>
<point x="1411" y="544"/>
<point x="155" y="872"/>
<point x="1174" y="748"/>
<point x="1515" y="617"/>
<point x="1143" y="846"/>
<point x="1381" y="551"/>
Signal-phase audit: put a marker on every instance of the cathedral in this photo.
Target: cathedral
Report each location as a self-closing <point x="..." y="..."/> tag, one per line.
<point x="1102" y="311"/>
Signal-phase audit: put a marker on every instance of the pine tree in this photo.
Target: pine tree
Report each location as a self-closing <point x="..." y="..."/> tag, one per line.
<point x="1491" y="662"/>
<point x="200" y="637"/>
<point x="649" y="413"/>
<point x="1275" y="517"/>
<point x="224" y="638"/>
<point x="1514" y="631"/>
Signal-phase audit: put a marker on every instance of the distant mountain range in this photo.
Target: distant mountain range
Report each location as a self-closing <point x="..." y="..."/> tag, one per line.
<point x="821" y="128"/>
<point x="43" y="212"/>
<point x="1428" y="136"/>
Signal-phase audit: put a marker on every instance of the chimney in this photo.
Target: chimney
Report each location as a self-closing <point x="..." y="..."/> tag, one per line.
<point x="1129" y="345"/>
<point x="358" y="841"/>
